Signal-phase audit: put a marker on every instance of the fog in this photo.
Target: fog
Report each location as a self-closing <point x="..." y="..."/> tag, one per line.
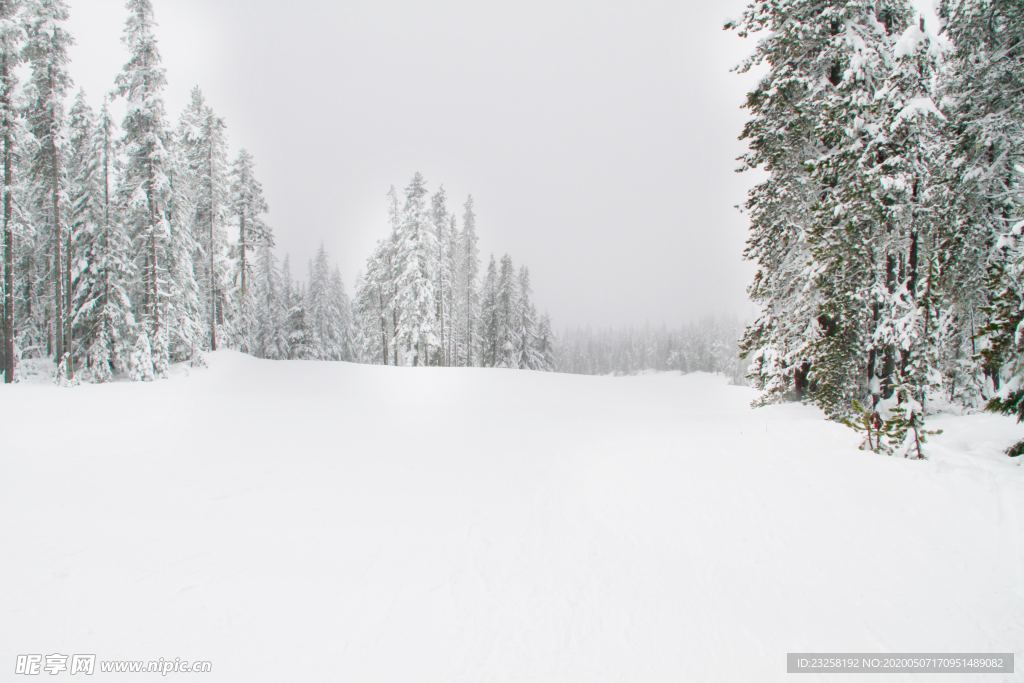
<point x="598" y="138"/>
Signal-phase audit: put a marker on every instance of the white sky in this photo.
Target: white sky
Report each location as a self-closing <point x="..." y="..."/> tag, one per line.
<point x="598" y="138"/>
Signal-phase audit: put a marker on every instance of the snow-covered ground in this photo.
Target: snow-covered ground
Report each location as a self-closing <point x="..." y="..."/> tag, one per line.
<point x="294" y="521"/>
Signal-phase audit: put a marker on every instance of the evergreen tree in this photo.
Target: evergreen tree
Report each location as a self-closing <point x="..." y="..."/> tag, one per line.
<point x="101" y="309"/>
<point x="46" y="48"/>
<point x="373" y="306"/>
<point x="10" y="39"/>
<point x="202" y="146"/>
<point x="843" y="228"/>
<point x="342" y="335"/>
<point x="443" y="268"/>
<point x="467" y="272"/>
<point x="328" y="311"/>
<point x="545" y="345"/>
<point x="415" y="290"/>
<point x="271" y="334"/>
<point x="296" y="328"/>
<point x="489" y="316"/>
<point x="527" y="353"/>
<point x="988" y="206"/>
<point x="507" y="304"/>
<point x="248" y="208"/>
<point x="145" y="190"/>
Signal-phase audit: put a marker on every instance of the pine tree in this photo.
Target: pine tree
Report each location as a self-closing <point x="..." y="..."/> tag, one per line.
<point x="248" y="208"/>
<point x="373" y="306"/>
<point x="912" y="305"/>
<point x="202" y="146"/>
<point x="507" y="341"/>
<point x="443" y="268"/>
<point x="296" y="328"/>
<point x="527" y="354"/>
<point x="781" y="136"/>
<point x="145" y="190"/>
<point x="988" y="154"/>
<point x="327" y="311"/>
<point x="46" y="48"/>
<point x="835" y="124"/>
<point x="415" y="289"/>
<point x="271" y="334"/>
<point x="545" y="345"/>
<point x="467" y="272"/>
<point x="101" y="310"/>
<point x="342" y="335"/>
<point x="10" y="39"/>
<point x="489" y="316"/>
<point x="185" y="330"/>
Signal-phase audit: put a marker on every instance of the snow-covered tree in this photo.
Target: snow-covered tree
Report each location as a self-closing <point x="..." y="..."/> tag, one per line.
<point x="415" y="300"/>
<point x="328" y="311"/>
<point x="102" y="318"/>
<point x="46" y="51"/>
<point x="507" y="305"/>
<point x="467" y="309"/>
<point x="373" y="307"/>
<point x="10" y="41"/>
<point x="487" y="334"/>
<point x="545" y="345"/>
<point x="248" y="211"/>
<point x="442" y="267"/>
<point x="269" y="296"/>
<point x="202" y="148"/>
<point x="296" y="328"/>
<point x="845" y="125"/>
<point x="987" y="204"/>
<point x="528" y="356"/>
<point x="145" y="190"/>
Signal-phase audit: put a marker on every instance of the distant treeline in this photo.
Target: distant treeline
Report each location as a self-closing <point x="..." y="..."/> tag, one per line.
<point x="707" y="345"/>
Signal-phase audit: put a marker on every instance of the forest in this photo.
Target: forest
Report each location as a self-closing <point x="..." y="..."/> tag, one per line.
<point x="887" y="229"/>
<point x="131" y="246"/>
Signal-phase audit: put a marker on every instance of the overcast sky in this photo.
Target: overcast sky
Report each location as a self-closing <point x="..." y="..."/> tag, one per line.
<point x="598" y="138"/>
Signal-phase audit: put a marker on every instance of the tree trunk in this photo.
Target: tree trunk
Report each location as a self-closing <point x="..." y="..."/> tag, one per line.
<point x="5" y="102"/>
<point x="242" y="249"/>
<point x="383" y="325"/>
<point x="69" y="335"/>
<point x="394" y="328"/>
<point x="469" y="322"/>
<point x="152" y="285"/>
<point x="58" y="260"/>
<point x="213" y="277"/>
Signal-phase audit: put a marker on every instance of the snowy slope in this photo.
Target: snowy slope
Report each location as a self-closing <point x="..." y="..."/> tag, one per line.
<point x="328" y="522"/>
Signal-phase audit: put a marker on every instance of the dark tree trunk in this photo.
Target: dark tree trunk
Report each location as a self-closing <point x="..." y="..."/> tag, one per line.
<point x="800" y="380"/>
